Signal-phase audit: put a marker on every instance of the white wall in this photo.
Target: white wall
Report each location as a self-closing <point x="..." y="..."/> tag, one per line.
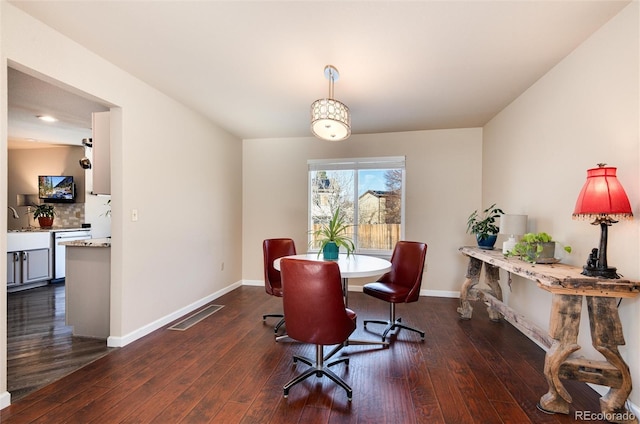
<point x="181" y="172"/>
<point x="536" y="153"/>
<point x="443" y="187"/>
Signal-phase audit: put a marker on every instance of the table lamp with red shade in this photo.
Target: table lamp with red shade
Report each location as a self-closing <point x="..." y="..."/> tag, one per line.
<point x="604" y="200"/>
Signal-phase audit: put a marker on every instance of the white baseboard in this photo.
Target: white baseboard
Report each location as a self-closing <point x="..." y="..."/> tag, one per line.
<point x="161" y="322"/>
<point x="5" y="400"/>
<point x="440" y="293"/>
<point x="432" y="293"/>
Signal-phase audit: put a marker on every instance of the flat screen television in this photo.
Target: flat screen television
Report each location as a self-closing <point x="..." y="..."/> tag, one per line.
<point x="56" y="189"/>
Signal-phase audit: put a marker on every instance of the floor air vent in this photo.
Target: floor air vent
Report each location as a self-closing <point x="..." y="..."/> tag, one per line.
<point x="192" y="320"/>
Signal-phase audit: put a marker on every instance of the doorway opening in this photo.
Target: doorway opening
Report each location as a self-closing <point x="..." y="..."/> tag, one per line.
<point x="40" y="346"/>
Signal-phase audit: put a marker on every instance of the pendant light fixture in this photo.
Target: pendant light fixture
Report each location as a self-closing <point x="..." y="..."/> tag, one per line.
<point x="330" y="119"/>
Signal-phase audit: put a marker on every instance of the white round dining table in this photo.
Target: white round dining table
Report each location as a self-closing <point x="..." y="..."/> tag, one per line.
<point x="351" y="266"/>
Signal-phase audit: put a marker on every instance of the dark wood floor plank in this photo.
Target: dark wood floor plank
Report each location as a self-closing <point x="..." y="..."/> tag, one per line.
<point x="63" y="411"/>
<point x="509" y="414"/>
<point x="190" y="395"/>
<point x="515" y="379"/>
<point x="228" y="368"/>
<point x="189" y="371"/>
<point x="40" y="347"/>
<point x="452" y="403"/>
<point x="479" y="362"/>
<point x="233" y="412"/>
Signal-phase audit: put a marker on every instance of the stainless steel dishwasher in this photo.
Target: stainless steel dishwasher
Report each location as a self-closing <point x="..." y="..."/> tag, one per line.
<point x="59" y="251"/>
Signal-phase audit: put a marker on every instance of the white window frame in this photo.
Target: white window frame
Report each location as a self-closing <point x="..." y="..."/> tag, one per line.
<point x="356" y="164"/>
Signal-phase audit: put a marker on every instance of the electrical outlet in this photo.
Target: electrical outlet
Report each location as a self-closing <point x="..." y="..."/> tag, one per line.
<point x="134" y="215"/>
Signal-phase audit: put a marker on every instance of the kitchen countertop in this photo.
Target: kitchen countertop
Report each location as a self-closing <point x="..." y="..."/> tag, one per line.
<point x="97" y="242"/>
<point x="47" y="230"/>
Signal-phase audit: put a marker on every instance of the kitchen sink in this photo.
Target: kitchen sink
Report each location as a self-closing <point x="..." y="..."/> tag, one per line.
<point x="28" y="240"/>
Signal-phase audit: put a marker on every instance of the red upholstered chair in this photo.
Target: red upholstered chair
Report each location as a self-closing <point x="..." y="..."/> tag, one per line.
<point x="273" y="249"/>
<point x="315" y="313"/>
<point x="401" y="284"/>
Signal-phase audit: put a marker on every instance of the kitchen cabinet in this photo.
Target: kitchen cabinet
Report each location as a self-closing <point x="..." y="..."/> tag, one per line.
<point x="26" y="267"/>
<point x="12" y="269"/>
<point x="101" y="134"/>
<point x="29" y="259"/>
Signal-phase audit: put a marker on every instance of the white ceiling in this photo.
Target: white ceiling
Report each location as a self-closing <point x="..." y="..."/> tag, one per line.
<point x="254" y="67"/>
<point x="29" y="97"/>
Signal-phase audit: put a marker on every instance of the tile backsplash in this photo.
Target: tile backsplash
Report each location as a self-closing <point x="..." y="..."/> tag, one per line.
<point x="69" y="215"/>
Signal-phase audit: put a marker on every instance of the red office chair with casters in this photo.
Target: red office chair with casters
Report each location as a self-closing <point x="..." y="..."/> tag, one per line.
<point x="315" y="313"/>
<point x="401" y="284"/>
<point x="273" y="249"/>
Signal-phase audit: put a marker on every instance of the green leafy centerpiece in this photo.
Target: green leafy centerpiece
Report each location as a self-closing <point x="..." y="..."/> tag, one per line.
<point x="332" y="236"/>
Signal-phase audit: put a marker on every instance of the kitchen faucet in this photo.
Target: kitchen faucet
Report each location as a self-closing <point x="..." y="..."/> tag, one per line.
<point x="15" y="212"/>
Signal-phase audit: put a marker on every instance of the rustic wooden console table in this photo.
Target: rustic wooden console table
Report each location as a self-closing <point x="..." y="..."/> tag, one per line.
<point x="568" y="287"/>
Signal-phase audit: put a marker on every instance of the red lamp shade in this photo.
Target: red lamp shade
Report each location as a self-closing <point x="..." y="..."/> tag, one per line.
<point x="603" y="199"/>
<point x="602" y="194"/>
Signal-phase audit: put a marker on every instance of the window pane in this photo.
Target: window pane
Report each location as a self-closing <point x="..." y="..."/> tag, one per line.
<point x="330" y="190"/>
<point x="379" y="208"/>
<point x="369" y="193"/>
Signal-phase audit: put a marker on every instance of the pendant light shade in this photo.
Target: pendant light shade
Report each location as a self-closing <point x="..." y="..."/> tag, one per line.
<point x="330" y="118"/>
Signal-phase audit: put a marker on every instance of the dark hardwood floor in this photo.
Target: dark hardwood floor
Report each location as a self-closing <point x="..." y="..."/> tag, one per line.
<point x="228" y="369"/>
<point x="40" y="347"/>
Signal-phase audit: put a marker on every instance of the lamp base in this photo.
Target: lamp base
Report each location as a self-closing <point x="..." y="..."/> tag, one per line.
<point x="508" y="245"/>
<point x="608" y="272"/>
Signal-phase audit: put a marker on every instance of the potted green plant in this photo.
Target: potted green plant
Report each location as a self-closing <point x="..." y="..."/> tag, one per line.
<point x="537" y="248"/>
<point x="483" y="225"/>
<point x="45" y="214"/>
<point x="332" y="236"/>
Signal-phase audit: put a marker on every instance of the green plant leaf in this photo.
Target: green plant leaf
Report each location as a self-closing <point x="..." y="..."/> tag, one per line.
<point x="334" y="231"/>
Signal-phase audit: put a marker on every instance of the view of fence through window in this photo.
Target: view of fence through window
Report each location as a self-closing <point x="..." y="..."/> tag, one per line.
<point x="370" y="201"/>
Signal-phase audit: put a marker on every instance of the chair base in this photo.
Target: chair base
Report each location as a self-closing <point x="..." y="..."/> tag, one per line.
<point x="279" y="324"/>
<point x="319" y="369"/>
<point x="393" y="323"/>
<point x="282" y="337"/>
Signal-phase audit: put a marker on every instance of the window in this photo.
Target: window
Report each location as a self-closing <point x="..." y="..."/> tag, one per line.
<point x="370" y="195"/>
